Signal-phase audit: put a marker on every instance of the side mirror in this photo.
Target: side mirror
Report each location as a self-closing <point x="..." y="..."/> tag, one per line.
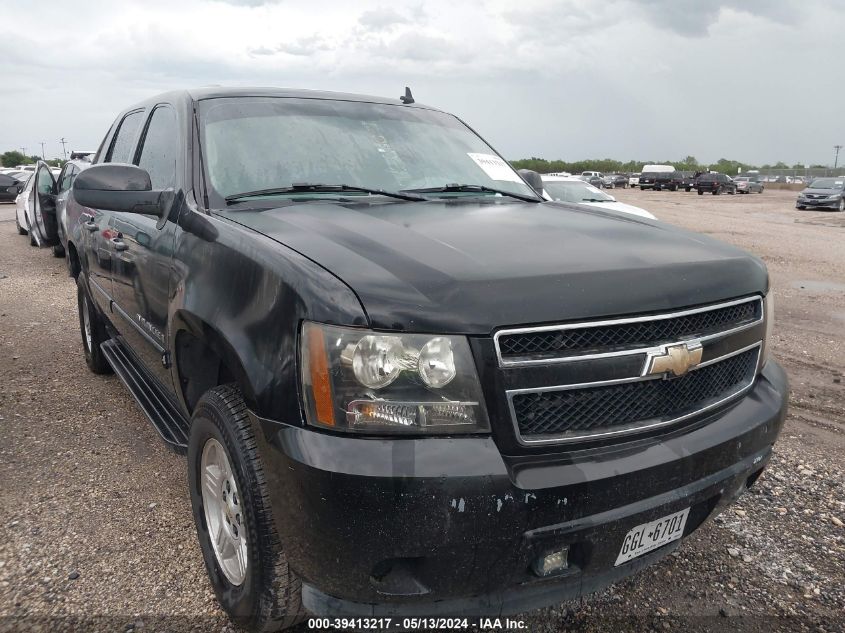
<point x="119" y="187"/>
<point x="534" y="179"/>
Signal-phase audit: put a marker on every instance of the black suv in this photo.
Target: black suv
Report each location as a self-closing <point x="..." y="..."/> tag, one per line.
<point x="715" y="184"/>
<point x="406" y="385"/>
<point x="658" y="180"/>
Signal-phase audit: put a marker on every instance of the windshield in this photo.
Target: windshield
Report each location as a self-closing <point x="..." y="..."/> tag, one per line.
<point x="742" y="179"/>
<point x="827" y="183"/>
<point x="256" y="143"/>
<point x="574" y="191"/>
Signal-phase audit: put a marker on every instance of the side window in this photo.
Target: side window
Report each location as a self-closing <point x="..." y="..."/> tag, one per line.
<point x="45" y="180"/>
<point x="6" y="181"/>
<point x="121" y="149"/>
<point x="160" y="148"/>
<point x="66" y="178"/>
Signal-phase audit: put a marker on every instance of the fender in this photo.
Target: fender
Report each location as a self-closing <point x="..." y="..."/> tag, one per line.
<point x="246" y="295"/>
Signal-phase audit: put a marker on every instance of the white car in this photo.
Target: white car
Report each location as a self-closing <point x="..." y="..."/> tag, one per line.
<point x="571" y="189"/>
<point x="633" y="180"/>
<point x="22" y="210"/>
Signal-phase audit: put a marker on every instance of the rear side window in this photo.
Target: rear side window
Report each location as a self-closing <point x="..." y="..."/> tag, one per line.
<point x="121" y="148"/>
<point x="6" y="181"/>
<point x="67" y="178"/>
<point x="160" y="148"/>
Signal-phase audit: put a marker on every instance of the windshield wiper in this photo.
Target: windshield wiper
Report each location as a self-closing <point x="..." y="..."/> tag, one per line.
<point x="306" y="187"/>
<point x="471" y="188"/>
<point x="596" y="200"/>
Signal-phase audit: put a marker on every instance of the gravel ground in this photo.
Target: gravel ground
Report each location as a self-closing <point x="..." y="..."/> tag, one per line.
<point x="96" y="530"/>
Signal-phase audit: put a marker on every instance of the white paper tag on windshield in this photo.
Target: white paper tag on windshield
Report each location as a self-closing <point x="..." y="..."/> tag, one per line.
<point x="494" y="167"/>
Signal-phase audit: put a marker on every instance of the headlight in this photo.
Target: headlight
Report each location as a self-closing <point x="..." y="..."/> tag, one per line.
<point x="362" y="381"/>
<point x="769" y="315"/>
<point x="833" y="197"/>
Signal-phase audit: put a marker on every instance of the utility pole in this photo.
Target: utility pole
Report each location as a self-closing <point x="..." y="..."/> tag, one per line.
<point x="43" y="157"/>
<point x="836" y="149"/>
<point x="63" y="141"/>
<point x="23" y="150"/>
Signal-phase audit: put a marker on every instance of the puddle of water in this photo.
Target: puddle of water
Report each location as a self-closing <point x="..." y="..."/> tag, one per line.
<point x="818" y="285"/>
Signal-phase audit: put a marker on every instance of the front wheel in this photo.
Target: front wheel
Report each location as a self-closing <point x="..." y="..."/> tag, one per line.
<point x="841" y="207"/>
<point x="800" y="207"/>
<point x="21" y="230"/>
<point x="700" y="192"/>
<point x="58" y="250"/>
<point x="231" y="506"/>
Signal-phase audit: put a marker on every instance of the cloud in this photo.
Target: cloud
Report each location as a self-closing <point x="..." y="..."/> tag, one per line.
<point x="382" y="18"/>
<point x="565" y="78"/>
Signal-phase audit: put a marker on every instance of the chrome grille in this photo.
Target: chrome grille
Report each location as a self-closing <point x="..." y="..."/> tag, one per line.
<point x="564" y="342"/>
<point x="630" y="405"/>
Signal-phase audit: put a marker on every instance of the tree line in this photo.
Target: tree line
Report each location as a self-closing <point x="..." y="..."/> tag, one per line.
<point x="14" y="158"/>
<point x="609" y="165"/>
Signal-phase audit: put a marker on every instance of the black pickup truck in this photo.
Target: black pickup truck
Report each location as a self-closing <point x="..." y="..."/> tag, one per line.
<point x="407" y="385"/>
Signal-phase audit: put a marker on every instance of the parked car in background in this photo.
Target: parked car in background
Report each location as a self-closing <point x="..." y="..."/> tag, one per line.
<point x="405" y="396"/>
<point x="595" y="178"/>
<point x="22" y="210"/>
<point x="607" y="181"/>
<point x="655" y="176"/>
<point x="823" y="193"/>
<point x="715" y="183"/>
<point x="11" y="185"/>
<point x="634" y="180"/>
<point x="659" y="180"/>
<point x="48" y="202"/>
<point x="688" y="179"/>
<point x="748" y="184"/>
<point x="575" y="190"/>
<point x="68" y="212"/>
<point x="620" y="180"/>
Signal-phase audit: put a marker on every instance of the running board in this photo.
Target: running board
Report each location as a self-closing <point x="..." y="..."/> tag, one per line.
<point x="156" y="405"/>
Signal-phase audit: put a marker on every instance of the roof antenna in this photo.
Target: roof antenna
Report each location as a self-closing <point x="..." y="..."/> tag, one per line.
<point x="407" y="97"/>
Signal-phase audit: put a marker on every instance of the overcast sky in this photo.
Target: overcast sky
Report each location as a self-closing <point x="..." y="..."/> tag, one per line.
<point x="753" y="80"/>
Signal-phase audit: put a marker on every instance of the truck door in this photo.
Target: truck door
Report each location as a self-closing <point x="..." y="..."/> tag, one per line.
<point x="98" y="233"/>
<point x="143" y="251"/>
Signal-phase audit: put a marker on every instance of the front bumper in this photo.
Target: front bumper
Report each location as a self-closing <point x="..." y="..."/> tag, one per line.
<point x="818" y="203"/>
<point x="451" y="526"/>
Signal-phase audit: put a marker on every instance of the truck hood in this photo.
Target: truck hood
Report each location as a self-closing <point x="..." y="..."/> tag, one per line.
<point x="471" y="267"/>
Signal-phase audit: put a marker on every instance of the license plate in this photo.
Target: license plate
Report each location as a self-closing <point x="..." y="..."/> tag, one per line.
<point x="649" y="536"/>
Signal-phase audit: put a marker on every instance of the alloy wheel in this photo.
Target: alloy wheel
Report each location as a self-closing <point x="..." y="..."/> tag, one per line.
<point x="224" y="515"/>
<point x="86" y="324"/>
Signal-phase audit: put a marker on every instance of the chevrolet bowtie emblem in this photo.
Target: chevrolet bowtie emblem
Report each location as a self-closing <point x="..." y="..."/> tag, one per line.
<point x="675" y="359"/>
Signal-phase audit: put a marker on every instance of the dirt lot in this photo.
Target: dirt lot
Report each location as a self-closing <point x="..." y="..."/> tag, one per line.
<point x="96" y="518"/>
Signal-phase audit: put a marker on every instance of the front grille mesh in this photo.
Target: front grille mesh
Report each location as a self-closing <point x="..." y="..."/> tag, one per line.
<point x="605" y="338"/>
<point x="583" y="412"/>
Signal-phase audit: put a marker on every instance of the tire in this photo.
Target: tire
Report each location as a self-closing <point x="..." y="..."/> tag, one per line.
<point x="841" y="207"/>
<point x="268" y="596"/>
<point x="58" y="250"/>
<point x="800" y="207"/>
<point x="93" y="331"/>
<point x="761" y="190"/>
<point x="21" y="230"/>
<point x="700" y="192"/>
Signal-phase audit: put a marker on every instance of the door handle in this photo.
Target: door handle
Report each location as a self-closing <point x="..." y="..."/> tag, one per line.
<point x="119" y="244"/>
